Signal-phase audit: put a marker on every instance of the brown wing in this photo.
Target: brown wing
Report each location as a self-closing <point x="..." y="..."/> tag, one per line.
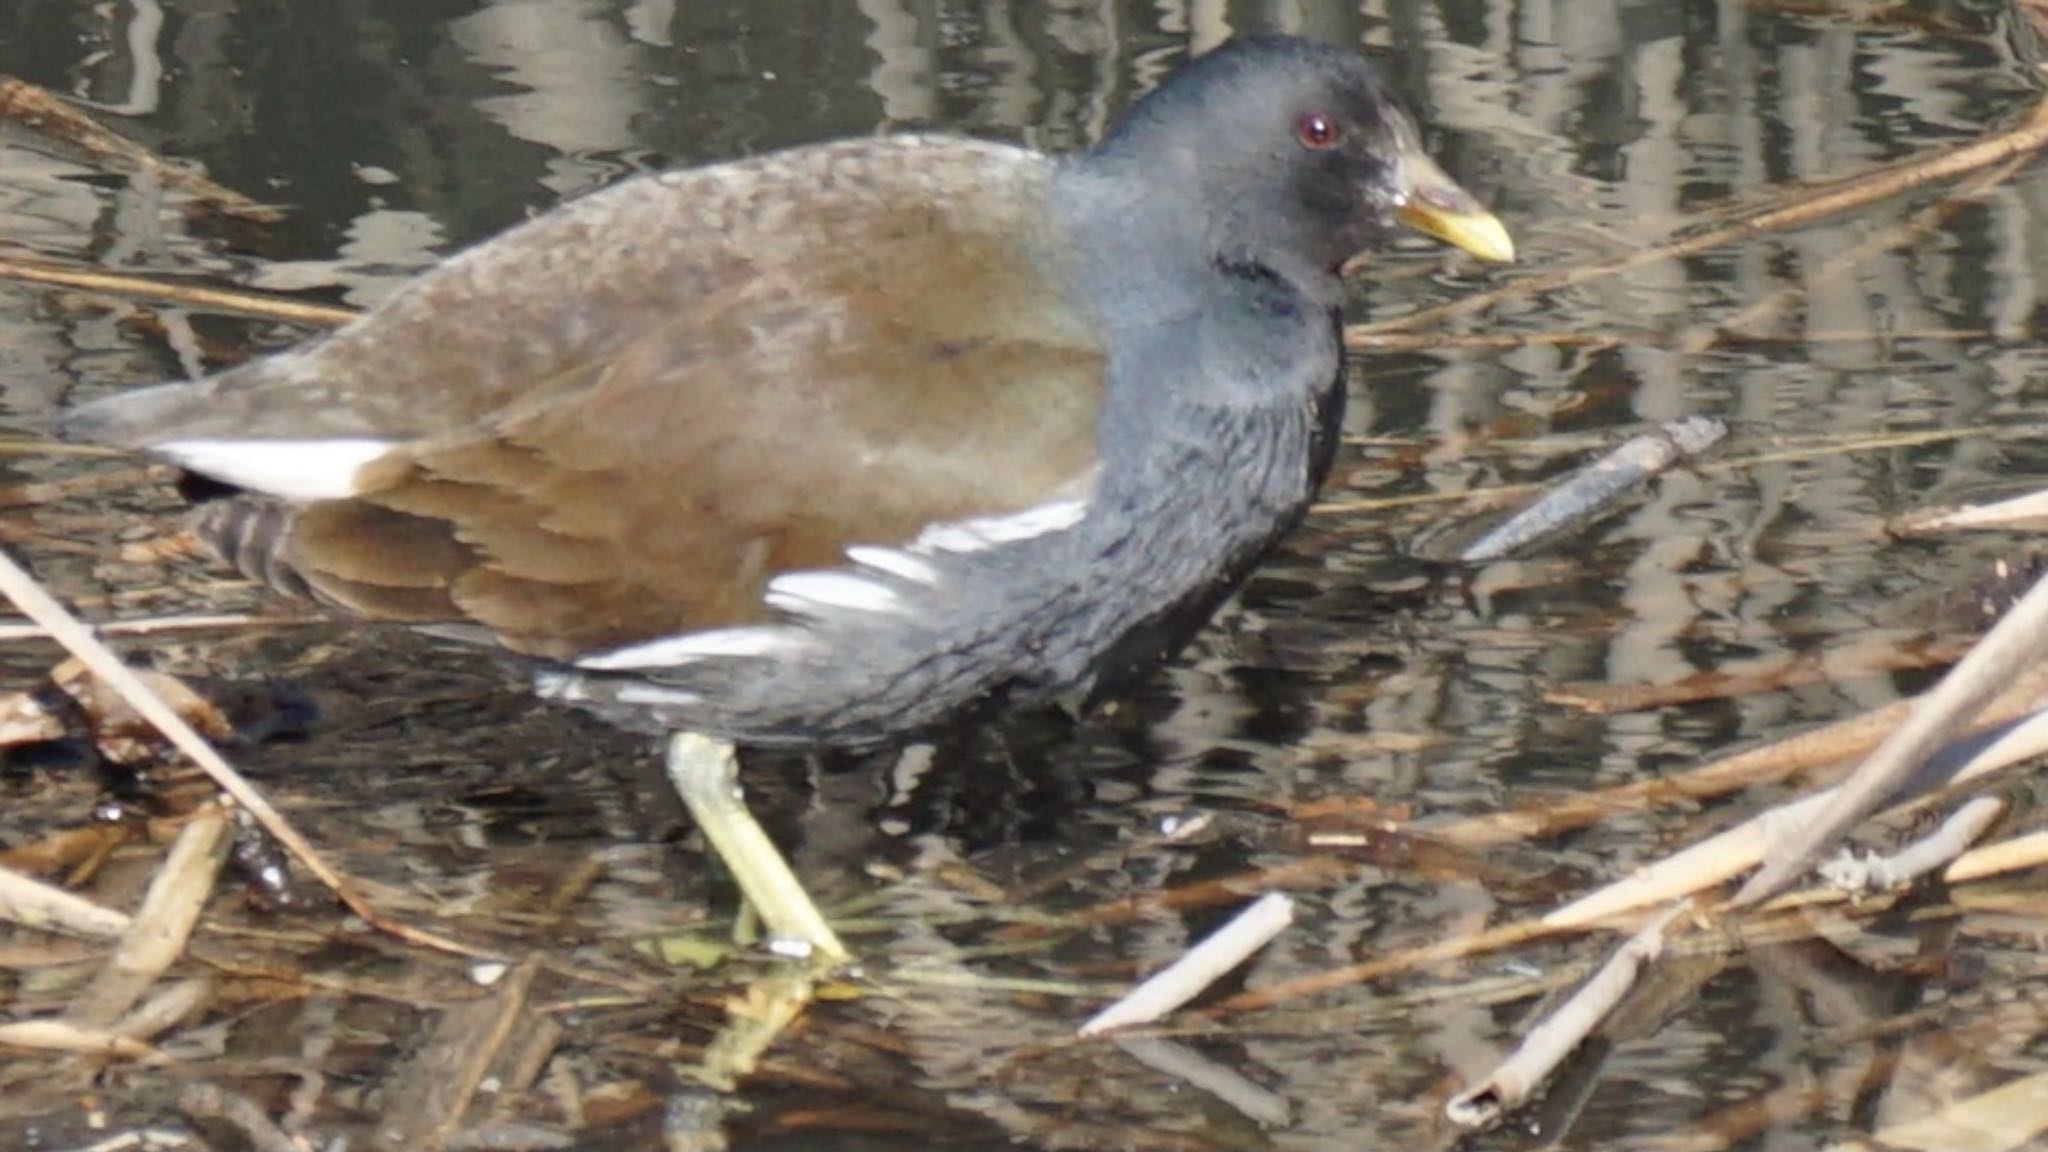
<point x="848" y="350"/>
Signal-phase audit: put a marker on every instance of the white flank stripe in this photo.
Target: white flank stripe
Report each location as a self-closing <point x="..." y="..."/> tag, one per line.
<point x="558" y="686"/>
<point x="642" y="693"/>
<point x="574" y="689"/>
<point x="989" y="531"/>
<point x="896" y="563"/>
<point x="293" y="469"/>
<point x="669" y="651"/>
<point x="806" y="592"/>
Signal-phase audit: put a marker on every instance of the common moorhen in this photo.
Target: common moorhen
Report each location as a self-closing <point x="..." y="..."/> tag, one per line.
<point x="822" y="447"/>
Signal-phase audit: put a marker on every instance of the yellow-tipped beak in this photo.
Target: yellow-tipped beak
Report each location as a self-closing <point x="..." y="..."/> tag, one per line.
<point x="1432" y="203"/>
<point x="1473" y="229"/>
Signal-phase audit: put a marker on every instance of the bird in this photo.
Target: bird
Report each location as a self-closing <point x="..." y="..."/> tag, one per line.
<point x="828" y="447"/>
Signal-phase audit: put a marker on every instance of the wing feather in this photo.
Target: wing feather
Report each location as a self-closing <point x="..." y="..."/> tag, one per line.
<point x="626" y="424"/>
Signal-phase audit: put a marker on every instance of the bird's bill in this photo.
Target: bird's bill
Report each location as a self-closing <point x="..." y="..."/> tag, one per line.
<point x="1433" y="204"/>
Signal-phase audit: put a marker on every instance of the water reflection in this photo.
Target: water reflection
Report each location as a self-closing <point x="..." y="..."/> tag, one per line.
<point x="397" y="131"/>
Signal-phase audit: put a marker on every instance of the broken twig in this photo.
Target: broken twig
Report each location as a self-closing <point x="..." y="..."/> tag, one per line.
<point x="1591" y="490"/>
<point x="2004" y="652"/>
<point x="1184" y="979"/>
<point x="1545" y="1048"/>
<point x="1885" y="873"/>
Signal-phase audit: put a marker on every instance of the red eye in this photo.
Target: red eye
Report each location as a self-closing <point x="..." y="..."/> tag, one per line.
<point x="1317" y="131"/>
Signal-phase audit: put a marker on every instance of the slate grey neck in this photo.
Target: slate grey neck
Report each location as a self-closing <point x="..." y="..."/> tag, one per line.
<point x="1151" y="247"/>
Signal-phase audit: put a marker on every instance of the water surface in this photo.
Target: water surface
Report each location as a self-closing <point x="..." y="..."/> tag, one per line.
<point x="1355" y="667"/>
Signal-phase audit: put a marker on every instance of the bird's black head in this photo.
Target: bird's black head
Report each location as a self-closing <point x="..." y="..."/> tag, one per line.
<point x="1293" y="154"/>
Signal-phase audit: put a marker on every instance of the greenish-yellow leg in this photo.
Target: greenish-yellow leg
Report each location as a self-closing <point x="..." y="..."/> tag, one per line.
<point x="705" y="773"/>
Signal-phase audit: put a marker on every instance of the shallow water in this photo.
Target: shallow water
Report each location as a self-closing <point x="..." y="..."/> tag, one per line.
<point x="1355" y="665"/>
